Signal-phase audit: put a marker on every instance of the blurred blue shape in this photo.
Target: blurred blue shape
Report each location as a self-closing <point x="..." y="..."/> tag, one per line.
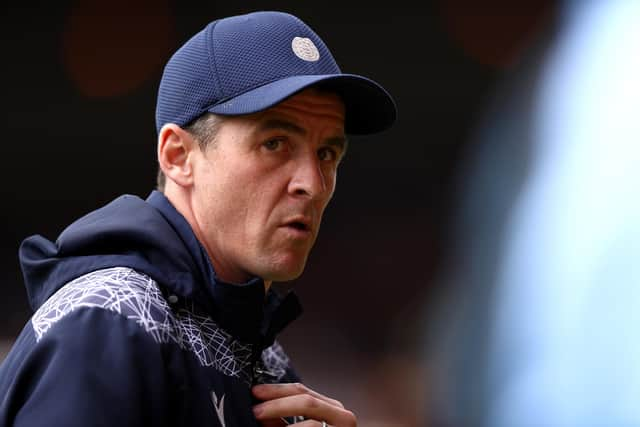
<point x="564" y="339"/>
<point x="543" y="325"/>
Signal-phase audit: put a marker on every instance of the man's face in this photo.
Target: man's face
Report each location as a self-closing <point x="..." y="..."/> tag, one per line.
<point x="260" y="190"/>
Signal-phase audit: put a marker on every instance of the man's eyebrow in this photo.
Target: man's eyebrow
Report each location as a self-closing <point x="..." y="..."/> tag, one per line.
<point x="340" y="142"/>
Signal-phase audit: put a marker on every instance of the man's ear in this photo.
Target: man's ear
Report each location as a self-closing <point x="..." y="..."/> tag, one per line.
<point x="175" y="146"/>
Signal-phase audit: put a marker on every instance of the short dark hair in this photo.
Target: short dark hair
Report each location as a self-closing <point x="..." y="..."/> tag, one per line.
<point x="204" y="129"/>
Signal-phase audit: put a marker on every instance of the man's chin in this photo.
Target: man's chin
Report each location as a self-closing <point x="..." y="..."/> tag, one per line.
<point x="285" y="272"/>
<point x="285" y="276"/>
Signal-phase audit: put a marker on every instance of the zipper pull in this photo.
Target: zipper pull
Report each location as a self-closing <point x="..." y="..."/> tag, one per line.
<point x="257" y="372"/>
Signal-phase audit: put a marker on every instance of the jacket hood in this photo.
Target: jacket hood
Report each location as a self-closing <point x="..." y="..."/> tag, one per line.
<point x="152" y="237"/>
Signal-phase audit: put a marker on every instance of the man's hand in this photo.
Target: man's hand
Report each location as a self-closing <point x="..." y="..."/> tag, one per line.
<point x="296" y="400"/>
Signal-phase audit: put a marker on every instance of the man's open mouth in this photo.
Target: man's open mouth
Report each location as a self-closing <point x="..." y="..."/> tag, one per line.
<point x="298" y="226"/>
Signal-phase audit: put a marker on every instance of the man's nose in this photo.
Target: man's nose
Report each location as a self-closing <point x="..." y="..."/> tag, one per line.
<point x="308" y="178"/>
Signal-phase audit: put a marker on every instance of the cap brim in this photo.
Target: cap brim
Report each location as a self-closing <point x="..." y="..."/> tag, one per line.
<point x="369" y="107"/>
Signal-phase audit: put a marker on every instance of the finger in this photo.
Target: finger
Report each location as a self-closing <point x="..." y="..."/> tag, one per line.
<point x="276" y="391"/>
<point x="310" y="423"/>
<point x="307" y="406"/>
<point x="274" y="423"/>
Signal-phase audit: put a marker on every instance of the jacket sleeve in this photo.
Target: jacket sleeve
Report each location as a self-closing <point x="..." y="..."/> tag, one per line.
<point x="93" y="368"/>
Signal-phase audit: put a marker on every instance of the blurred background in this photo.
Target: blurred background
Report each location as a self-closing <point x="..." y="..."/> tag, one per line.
<point x="78" y="103"/>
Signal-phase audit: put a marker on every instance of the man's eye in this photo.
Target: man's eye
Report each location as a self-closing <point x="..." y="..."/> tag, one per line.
<point x="327" y="154"/>
<point x="273" y="144"/>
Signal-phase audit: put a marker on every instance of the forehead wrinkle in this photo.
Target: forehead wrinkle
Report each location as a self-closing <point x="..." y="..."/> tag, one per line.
<point x="281" y="124"/>
<point x="286" y="116"/>
<point x="329" y="110"/>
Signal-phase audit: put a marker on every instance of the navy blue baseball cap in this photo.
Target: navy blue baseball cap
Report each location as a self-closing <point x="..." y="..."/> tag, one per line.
<point x="248" y="63"/>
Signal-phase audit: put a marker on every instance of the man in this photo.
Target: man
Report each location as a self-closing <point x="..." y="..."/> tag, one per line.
<point x="160" y="312"/>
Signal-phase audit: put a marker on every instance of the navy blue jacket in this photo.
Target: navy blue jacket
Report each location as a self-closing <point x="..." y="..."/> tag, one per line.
<point x="132" y="328"/>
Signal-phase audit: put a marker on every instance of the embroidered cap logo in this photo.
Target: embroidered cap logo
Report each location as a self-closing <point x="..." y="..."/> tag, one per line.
<point x="304" y="49"/>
